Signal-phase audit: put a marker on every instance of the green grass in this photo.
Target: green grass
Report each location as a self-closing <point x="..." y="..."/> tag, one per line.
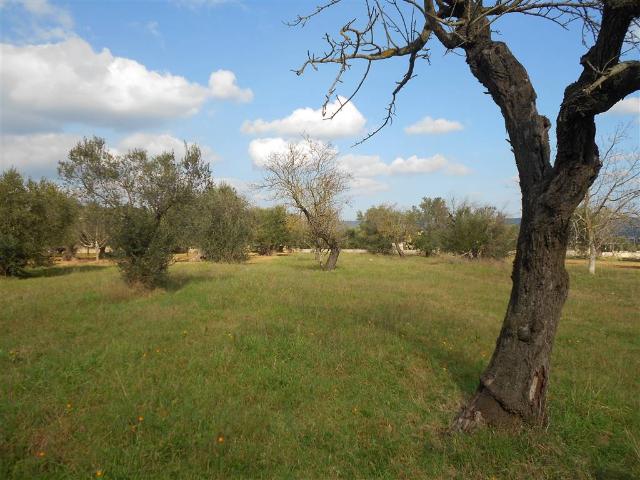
<point x="304" y="374"/>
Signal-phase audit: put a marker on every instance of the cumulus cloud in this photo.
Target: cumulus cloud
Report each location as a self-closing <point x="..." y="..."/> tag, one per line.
<point x="156" y="144"/>
<point x="372" y="165"/>
<point x="261" y="149"/>
<point x="367" y="186"/>
<point x="46" y="85"/>
<point x="348" y="122"/>
<point x="43" y="151"/>
<point x="364" y="165"/>
<point x="430" y="126"/>
<point x="626" y="106"/>
<point x="39" y="151"/>
<point x="223" y="86"/>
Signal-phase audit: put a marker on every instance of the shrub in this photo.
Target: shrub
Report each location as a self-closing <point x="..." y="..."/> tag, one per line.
<point x="223" y="225"/>
<point x="272" y="229"/>
<point x="35" y="218"/>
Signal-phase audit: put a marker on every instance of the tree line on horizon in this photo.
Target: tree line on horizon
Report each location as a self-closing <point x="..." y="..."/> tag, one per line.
<point x="147" y="208"/>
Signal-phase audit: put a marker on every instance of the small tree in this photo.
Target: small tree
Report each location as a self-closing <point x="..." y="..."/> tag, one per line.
<point x="95" y="227"/>
<point x="385" y="226"/>
<point x="143" y="190"/>
<point x="35" y="217"/>
<point x="271" y="231"/>
<point x="432" y="218"/>
<point x="479" y="232"/>
<point x="223" y="225"/>
<point x="308" y="178"/>
<point x="613" y="199"/>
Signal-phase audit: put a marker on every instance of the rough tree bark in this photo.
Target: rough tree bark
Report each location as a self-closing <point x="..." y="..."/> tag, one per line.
<point x="333" y="258"/>
<point x="513" y="388"/>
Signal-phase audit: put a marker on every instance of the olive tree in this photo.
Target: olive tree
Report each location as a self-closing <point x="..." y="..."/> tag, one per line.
<point x="385" y="226"/>
<point x="35" y="218"/>
<point x="513" y="388"/>
<point x="270" y="229"/>
<point x="478" y="232"/>
<point x="223" y="224"/>
<point x="432" y="218"/>
<point x="143" y="192"/>
<point x="308" y="178"/>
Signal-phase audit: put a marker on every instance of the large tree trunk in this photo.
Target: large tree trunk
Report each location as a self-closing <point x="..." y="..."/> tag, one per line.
<point x="333" y="258"/>
<point x="513" y="388"/>
<point x="399" y="249"/>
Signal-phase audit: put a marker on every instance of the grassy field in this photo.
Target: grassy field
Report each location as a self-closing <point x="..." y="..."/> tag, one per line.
<point x="274" y="369"/>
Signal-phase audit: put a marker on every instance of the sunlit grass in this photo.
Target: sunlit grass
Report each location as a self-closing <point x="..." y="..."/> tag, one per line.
<point x="276" y="369"/>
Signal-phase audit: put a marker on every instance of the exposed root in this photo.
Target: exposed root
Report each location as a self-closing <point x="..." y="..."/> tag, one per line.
<point x="482" y="410"/>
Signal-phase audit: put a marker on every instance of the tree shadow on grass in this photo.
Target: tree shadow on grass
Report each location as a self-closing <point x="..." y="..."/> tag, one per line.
<point x="463" y="370"/>
<point x="59" y="270"/>
<point x="178" y="281"/>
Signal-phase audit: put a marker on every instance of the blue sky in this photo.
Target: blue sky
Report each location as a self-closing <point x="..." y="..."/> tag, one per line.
<point x="139" y="73"/>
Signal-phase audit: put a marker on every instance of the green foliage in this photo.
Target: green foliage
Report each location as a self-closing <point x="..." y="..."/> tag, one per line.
<point x="478" y="232"/>
<point x="298" y="232"/>
<point x="353" y="238"/>
<point x="370" y="237"/>
<point x="35" y="217"/>
<point x="432" y="221"/>
<point x="143" y="246"/>
<point x="385" y="226"/>
<point x="271" y="232"/>
<point x="223" y="225"/>
<point x="146" y="191"/>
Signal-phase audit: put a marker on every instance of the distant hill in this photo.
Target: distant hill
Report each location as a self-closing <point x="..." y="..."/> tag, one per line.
<point x="631" y="229"/>
<point x="351" y="223"/>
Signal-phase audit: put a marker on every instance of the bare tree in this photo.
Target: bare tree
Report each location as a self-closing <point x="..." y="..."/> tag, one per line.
<point x="613" y="198"/>
<point x="513" y="388"/>
<point x="308" y="178"/>
<point x="95" y="224"/>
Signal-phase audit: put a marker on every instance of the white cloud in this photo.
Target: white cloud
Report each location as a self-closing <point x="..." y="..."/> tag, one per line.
<point x="626" y="106"/>
<point x="43" y="151"/>
<point x="261" y="149"/>
<point x="36" y="20"/>
<point x="430" y="126"/>
<point x="42" y="8"/>
<point x="223" y="86"/>
<point x="364" y="165"/>
<point x="39" y="151"/>
<point x="46" y="85"/>
<point x="372" y="165"/>
<point x="367" y="186"/>
<point x="156" y="144"/>
<point x="348" y="122"/>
